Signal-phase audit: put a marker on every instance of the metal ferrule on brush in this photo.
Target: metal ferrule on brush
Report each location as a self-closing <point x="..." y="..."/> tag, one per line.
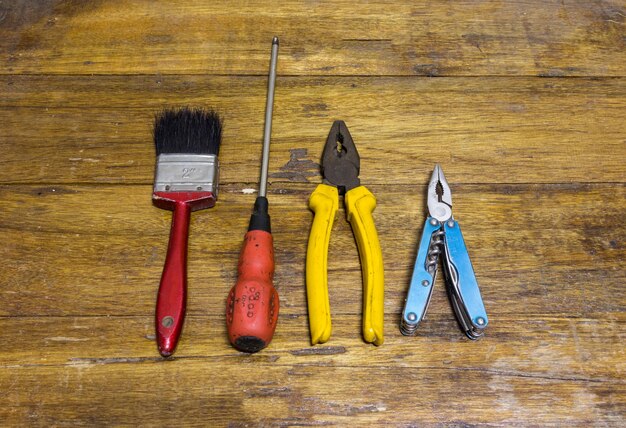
<point x="181" y="172"/>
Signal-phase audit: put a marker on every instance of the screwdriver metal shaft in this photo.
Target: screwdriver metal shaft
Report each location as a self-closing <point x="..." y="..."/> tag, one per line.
<point x="269" y="110"/>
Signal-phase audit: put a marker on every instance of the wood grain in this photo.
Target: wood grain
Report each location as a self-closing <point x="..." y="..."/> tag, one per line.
<point x="471" y="38"/>
<point x="521" y="102"/>
<point x="502" y="130"/>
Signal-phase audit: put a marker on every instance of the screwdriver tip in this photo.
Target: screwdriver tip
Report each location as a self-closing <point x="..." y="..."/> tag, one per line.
<point x="275" y="40"/>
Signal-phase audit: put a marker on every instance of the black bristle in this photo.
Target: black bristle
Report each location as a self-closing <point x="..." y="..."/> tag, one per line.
<point x="187" y="130"/>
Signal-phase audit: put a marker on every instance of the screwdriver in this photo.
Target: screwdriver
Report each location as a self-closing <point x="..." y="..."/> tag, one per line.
<point x="252" y="304"/>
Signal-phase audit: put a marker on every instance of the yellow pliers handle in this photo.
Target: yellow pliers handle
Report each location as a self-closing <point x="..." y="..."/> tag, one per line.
<point x="360" y="204"/>
<point x="323" y="202"/>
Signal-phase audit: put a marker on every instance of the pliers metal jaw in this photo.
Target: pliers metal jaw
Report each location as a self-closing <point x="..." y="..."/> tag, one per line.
<point x="340" y="169"/>
<point x="341" y="162"/>
<point x="442" y="236"/>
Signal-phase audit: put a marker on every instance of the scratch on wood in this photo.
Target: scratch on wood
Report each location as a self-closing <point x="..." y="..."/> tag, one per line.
<point x="368" y="40"/>
<point x="615" y="15"/>
<point x="92" y="160"/>
<point x="66" y="339"/>
<point x="301" y="422"/>
<point x="87" y="362"/>
<point x="283" y="422"/>
<point x="318" y="406"/>
<point x="282" y="391"/>
<point x="326" y="350"/>
<point x="474" y="40"/>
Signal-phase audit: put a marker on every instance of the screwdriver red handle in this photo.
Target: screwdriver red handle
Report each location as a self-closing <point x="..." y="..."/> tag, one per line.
<point x="252" y="304"/>
<point x="171" y="300"/>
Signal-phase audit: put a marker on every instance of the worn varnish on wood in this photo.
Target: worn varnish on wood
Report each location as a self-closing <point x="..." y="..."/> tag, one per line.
<point x="526" y="116"/>
<point x="317" y="38"/>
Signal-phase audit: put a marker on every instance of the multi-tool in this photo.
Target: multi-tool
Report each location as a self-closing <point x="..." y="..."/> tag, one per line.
<point x="442" y="236"/>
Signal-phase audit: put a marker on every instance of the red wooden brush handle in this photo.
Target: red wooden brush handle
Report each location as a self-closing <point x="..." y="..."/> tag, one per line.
<point x="171" y="300"/>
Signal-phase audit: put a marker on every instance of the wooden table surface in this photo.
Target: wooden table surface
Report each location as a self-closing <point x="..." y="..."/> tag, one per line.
<point x="522" y="103"/>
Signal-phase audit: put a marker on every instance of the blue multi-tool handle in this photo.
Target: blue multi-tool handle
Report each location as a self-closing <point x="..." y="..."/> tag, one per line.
<point x="460" y="266"/>
<point x="422" y="281"/>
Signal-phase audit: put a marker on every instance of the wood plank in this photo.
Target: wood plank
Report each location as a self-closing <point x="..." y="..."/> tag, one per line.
<point x="492" y="130"/>
<point x="541" y="347"/>
<point x="324" y="394"/>
<point x="106" y="244"/>
<point x="429" y="38"/>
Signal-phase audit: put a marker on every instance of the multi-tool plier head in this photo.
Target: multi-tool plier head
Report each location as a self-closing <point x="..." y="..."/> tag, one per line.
<point x="439" y="196"/>
<point x="340" y="159"/>
<point x="442" y="237"/>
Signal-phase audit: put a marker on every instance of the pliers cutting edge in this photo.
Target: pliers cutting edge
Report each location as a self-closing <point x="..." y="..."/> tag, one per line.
<point x="442" y="235"/>
<point x="340" y="169"/>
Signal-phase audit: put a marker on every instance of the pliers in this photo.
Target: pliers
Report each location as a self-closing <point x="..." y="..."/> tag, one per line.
<point x="340" y="170"/>
<point x="442" y="235"/>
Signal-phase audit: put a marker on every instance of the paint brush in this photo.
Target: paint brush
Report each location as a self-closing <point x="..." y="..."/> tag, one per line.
<point x="187" y="143"/>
